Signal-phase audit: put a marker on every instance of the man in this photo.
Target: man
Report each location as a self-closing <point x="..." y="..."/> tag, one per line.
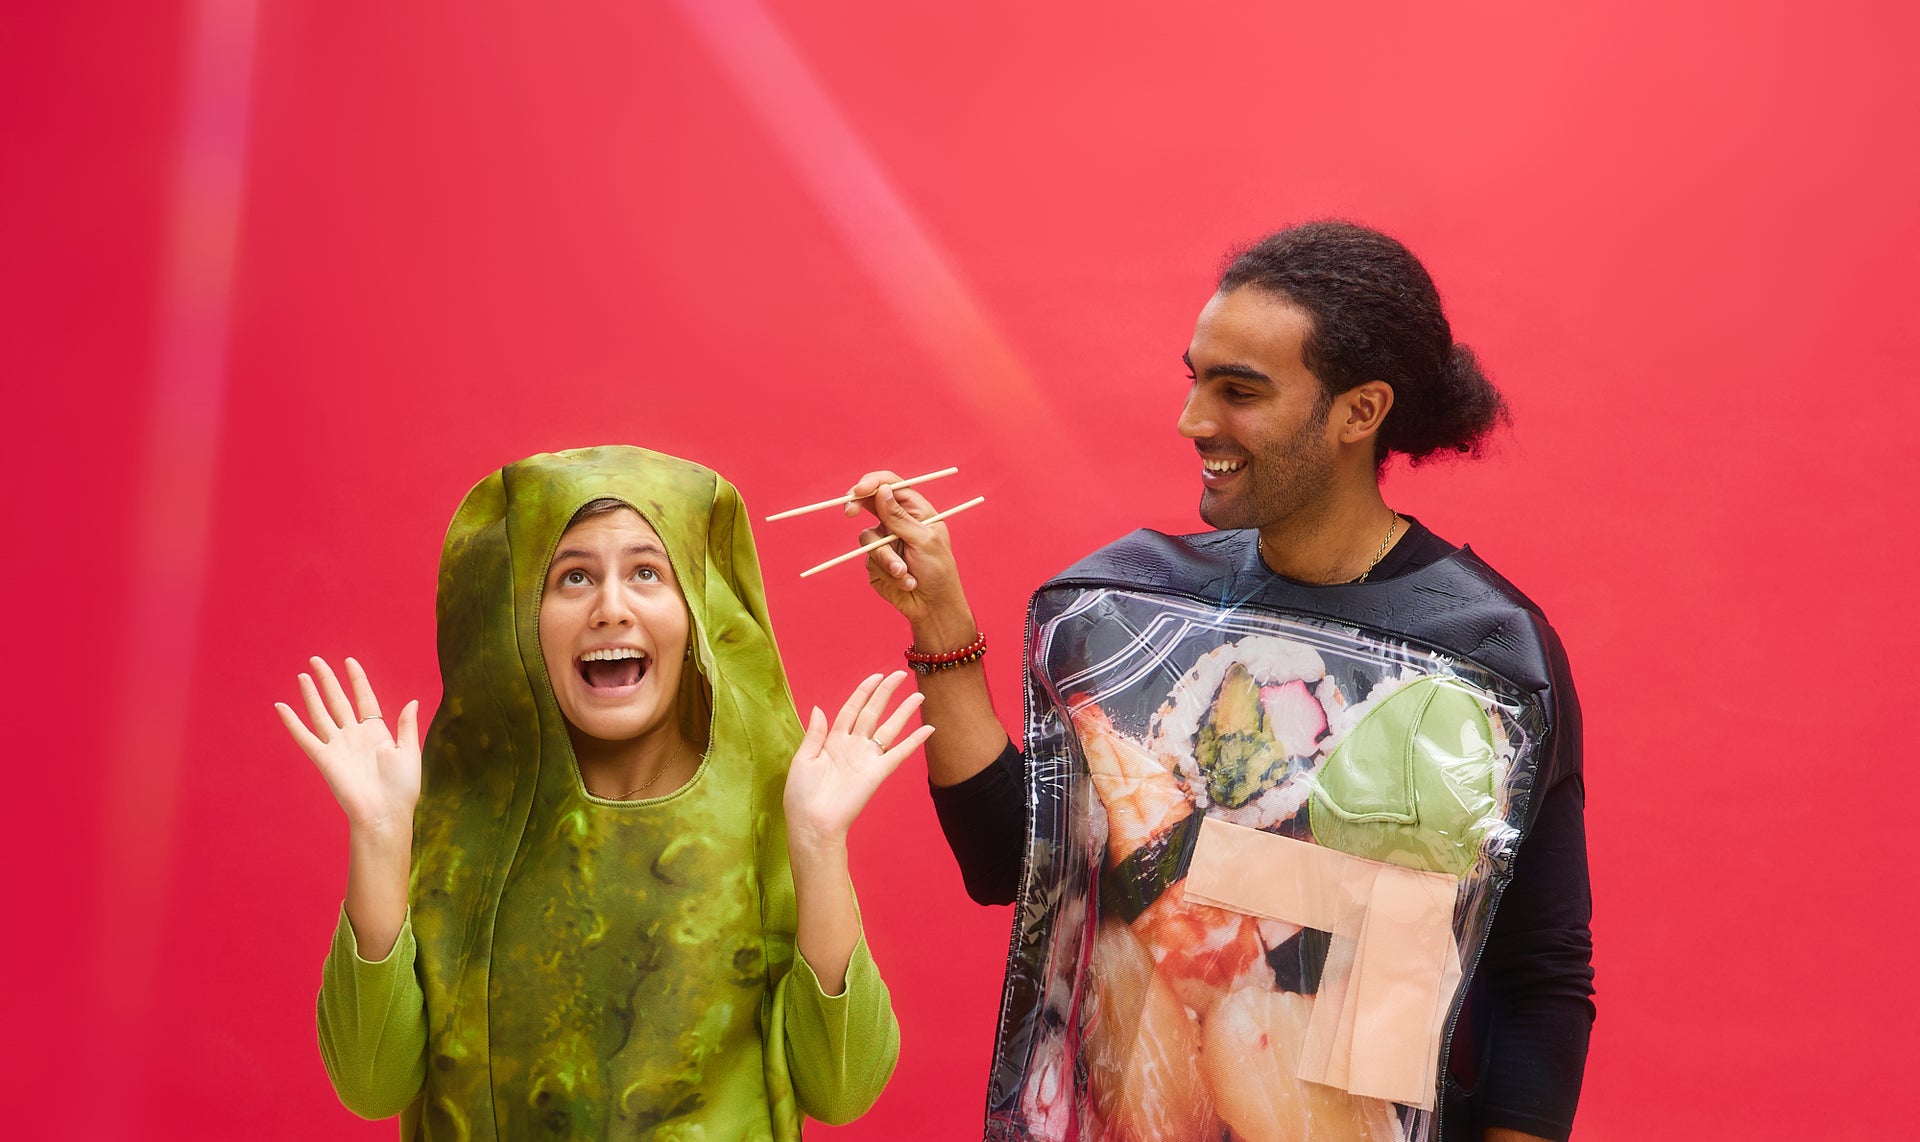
<point x="1323" y="353"/>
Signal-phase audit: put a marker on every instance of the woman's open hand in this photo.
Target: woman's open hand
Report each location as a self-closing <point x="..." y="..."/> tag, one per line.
<point x="374" y="773"/>
<point x="838" y="766"/>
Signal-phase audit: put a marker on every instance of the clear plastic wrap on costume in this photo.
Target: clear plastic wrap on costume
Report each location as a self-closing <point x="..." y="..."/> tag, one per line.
<point x="1265" y="848"/>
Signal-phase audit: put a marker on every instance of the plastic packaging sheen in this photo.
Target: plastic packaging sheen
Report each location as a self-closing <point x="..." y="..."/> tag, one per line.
<point x="1264" y="852"/>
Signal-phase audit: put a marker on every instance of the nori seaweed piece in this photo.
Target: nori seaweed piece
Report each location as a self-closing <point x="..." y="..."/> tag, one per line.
<point x="1297" y="963"/>
<point x="1129" y="888"/>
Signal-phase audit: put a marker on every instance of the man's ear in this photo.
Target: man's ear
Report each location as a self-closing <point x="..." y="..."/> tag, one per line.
<point x="1361" y="409"/>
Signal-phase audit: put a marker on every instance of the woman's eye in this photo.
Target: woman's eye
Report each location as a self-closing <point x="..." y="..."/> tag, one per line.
<point x="647" y="575"/>
<point x="574" y="578"/>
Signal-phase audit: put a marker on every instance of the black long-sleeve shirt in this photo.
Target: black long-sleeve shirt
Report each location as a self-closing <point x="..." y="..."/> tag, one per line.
<point x="1521" y="1049"/>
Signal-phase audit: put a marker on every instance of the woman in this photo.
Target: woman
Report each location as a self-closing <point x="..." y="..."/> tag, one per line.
<point x="615" y="930"/>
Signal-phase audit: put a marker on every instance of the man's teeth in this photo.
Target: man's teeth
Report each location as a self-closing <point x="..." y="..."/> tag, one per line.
<point x="611" y="654"/>
<point x="1224" y="466"/>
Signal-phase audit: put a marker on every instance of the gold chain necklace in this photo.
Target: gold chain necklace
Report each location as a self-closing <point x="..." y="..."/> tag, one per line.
<point x="1392" y="524"/>
<point x="1379" y="553"/>
<point x="642" y="788"/>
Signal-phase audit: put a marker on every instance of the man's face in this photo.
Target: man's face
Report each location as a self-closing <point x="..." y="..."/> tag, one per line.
<point x="1256" y="415"/>
<point x="613" y="628"/>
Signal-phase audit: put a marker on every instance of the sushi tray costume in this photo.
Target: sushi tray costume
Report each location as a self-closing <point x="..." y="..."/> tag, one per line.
<point x="1269" y="826"/>
<point x="574" y="967"/>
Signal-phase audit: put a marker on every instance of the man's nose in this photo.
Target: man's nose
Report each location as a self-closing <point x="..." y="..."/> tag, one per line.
<point x="1196" y="422"/>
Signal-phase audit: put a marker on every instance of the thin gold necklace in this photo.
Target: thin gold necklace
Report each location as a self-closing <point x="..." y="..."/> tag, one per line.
<point x="1379" y="553"/>
<point x="628" y="795"/>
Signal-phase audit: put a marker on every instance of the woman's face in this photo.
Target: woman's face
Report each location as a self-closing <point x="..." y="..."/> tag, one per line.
<point x="614" y="628"/>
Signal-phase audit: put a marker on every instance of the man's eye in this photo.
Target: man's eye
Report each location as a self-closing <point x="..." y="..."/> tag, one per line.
<point x="1240" y="396"/>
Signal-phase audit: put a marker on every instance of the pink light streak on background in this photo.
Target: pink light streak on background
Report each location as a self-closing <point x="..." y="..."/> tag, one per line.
<point x="175" y="499"/>
<point x="848" y="183"/>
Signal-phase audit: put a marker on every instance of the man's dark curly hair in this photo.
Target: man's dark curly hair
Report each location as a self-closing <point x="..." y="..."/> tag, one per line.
<point x="1377" y="317"/>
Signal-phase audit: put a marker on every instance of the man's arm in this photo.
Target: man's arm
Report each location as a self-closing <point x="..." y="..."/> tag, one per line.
<point x="1539" y="976"/>
<point x="976" y="774"/>
<point x="922" y="582"/>
<point x="984" y="819"/>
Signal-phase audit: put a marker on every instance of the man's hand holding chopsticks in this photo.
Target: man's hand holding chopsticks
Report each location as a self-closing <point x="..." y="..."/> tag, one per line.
<point x="917" y="575"/>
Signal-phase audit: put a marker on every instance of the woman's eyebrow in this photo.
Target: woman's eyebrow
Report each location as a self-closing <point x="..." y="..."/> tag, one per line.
<point x="630" y="549"/>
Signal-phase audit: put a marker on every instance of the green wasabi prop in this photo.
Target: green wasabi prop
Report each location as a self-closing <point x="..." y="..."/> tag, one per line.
<point x="1412" y="783"/>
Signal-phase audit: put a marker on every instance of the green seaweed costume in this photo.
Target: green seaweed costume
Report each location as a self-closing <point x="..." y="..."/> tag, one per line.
<point x="588" y="968"/>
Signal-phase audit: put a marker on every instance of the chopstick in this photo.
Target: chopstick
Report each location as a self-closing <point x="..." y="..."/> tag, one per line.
<point x="897" y="485"/>
<point x="886" y="539"/>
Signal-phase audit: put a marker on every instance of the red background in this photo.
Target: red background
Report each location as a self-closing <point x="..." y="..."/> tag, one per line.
<point x="276" y="290"/>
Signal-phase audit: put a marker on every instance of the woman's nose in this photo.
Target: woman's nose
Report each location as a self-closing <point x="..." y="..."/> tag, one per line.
<point x="610" y="606"/>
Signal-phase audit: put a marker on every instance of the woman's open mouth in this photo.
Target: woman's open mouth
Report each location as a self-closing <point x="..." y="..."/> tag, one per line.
<point x="611" y="671"/>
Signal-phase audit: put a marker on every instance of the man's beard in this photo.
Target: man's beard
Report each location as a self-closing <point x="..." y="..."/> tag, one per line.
<point x="1286" y="477"/>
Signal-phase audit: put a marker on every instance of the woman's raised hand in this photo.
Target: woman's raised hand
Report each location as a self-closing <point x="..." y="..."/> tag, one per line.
<point x="838" y="766"/>
<point x="374" y="772"/>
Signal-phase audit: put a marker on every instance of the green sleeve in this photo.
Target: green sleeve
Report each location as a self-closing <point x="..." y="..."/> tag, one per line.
<point x="373" y="1024"/>
<point x="840" y="1048"/>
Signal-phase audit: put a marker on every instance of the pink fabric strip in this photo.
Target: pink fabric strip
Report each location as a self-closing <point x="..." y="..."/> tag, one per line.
<point x="1392" y="968"/>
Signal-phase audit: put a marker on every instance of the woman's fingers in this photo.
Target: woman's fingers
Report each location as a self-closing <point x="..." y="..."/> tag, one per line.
<point x="408" y="731"/>
<point x="890" y="729"/>
<point x="324" y="727"/>
<point x="876" y="705"/>
<point x="856" y="702"/>
<point x="890" y="760"/>
<point x="337" y="703"/>
<point x="302" y="736"/>
<point x="816" y="733"/>
<point x="363" y="699"/>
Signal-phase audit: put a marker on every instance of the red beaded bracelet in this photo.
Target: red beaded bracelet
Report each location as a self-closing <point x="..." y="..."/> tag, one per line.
<point x="923" y="663"/>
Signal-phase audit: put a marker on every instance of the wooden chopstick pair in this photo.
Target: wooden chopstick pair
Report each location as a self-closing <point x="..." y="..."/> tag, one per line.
<point x="885" y="539"/>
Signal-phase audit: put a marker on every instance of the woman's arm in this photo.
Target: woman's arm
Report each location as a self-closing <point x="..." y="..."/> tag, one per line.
<point x="374" y="774"/>
<point x="839" y="1050"/>
<point x="833" y="775"/>
<point x="371" y="1012"/>
<point x="829" y="926"/>
<point x="833" y="1018"/>
<point x="372" y="1019"/>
